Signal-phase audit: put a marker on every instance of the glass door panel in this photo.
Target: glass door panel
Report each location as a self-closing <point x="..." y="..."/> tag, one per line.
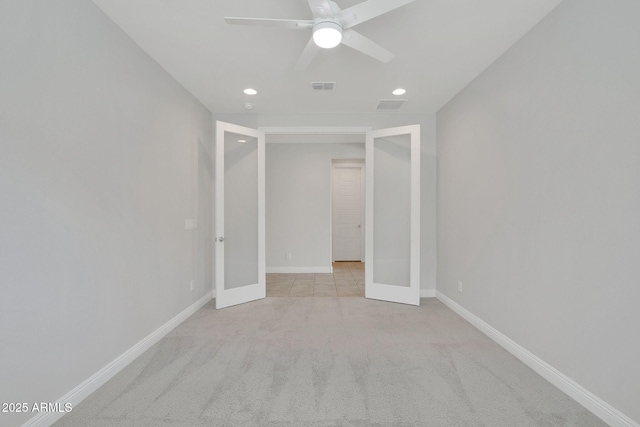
<point x="392" y="208"/>
<point x="240" y="210"/>
<point x="393" y="212"/>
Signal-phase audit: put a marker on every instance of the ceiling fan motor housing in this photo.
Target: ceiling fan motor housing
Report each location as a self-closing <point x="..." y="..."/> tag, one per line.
<point x="327" y="33"/>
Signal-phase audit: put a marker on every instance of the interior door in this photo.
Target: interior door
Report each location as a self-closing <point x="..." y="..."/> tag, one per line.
<point x="347" y="211"/>
<point x="240" y="226"/>
<point x="392" y="240"/>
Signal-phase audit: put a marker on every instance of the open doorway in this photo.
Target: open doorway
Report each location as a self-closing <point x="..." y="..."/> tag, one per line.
<point x="347" y="210"/>
<point x="299" y="204"/>
<point x="300" y="254"/>
<point x="299" y="196"/>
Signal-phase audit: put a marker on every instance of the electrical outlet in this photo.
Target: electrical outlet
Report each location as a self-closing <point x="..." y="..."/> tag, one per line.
<point x="191" y="285"/>
<point x="288" y="255"/>
<point x="459" y="285"/>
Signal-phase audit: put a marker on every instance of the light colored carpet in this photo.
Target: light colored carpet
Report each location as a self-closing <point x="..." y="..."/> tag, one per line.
<point x="328" y="362"/>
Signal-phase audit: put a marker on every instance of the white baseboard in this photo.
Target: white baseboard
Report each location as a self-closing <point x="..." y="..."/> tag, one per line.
<point x="593" y="403"/>
<point x="98" y="379"/>
<point x="299" y="270"/>
<point x="427" y="293"/>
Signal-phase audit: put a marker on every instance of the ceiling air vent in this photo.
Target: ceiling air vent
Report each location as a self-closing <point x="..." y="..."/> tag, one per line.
<point x="390" y="104"/>
<point x="322" y="85"/>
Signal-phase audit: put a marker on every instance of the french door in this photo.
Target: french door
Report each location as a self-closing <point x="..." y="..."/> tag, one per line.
<point x="240" y="226"/>
<point x="392" y="240"/>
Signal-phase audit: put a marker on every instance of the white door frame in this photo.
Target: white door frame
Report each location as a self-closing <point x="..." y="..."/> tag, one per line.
<point x="312" y="134"/>
<point x="302" y="134"/>
<point x="355" y="162"/>
<point x="382" y="291"/>
<point x="234" y="296"/>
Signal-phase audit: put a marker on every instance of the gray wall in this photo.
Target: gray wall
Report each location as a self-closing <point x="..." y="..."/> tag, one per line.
<point x="539" y="195"/>
<point x="298" y="202"/>
<point x="102" y="155"/>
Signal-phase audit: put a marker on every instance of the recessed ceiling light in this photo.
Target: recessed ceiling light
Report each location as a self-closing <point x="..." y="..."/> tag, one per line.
<point x="399" y="91"/>
<point x="250" y="91"/>
<point x="242" y="140"/>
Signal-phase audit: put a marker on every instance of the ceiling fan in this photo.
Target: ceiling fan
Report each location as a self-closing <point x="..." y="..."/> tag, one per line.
<point x="331" y="26"/>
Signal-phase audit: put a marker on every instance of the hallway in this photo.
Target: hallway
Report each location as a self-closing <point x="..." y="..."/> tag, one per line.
<point x="347" y="280"/>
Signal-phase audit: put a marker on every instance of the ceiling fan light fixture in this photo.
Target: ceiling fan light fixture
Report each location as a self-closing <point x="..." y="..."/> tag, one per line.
<point x="327" y="34"/>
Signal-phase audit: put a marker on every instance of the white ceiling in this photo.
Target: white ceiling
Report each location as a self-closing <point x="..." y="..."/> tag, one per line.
<point x="440" y="46"/>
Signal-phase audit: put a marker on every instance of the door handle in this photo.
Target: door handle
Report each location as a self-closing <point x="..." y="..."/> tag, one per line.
<point x="219" y="239"/>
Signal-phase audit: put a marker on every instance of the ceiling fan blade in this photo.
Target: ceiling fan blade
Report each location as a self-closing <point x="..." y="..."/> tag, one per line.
<point x="310" y="51"/>
<point x="295" y="24"/>
<point x="369" y="9"/>
<point x="360" y="43"/>
<point x="320" y="8"/>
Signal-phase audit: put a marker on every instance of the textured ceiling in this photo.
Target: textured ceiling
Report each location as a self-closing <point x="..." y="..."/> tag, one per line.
<point x="440" y="46"/>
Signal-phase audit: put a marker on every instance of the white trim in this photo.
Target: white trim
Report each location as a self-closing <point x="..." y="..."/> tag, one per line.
<point x="593" y="403"/>
<point x="382" y="291"/>
<point x="315" y="130"/>
<point x="299" y="270"/>
<point x="95" y="381"/>
<point x="335" y="163"/>
<point x="229" y="297"/>
<point x="427" y="293"/>
<point x="240" y="295"/>
<point x="315" y="134"/>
